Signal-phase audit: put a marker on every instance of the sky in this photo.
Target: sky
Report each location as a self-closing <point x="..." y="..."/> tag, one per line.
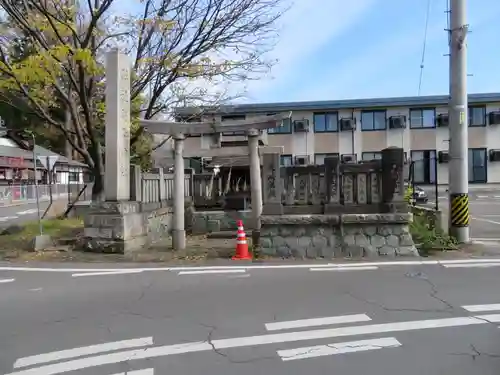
<point x="349" y="49"/>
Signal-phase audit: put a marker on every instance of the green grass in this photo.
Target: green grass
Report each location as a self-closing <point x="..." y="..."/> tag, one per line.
<point x="56" y="228"/>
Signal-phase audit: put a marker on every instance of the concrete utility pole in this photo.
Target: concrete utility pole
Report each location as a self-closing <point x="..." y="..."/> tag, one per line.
<point x="458" y="119"/>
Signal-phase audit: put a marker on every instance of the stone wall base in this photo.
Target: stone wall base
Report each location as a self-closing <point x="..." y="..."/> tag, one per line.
<point x="204" y="222"/>
<point x="336" y="236"/>
<point x="124" y="227"/>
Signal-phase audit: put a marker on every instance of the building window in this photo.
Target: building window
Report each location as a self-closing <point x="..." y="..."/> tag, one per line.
<point x="373" y="120"/>
<point x="371" y="156"/>
<point x="424" y="166"/>
<point x="233" y="118"/>
<point x="422" y="118"/>
<point x="285" y="128"/>
<point x="477" y="116"/>
<point x="193" y="118"/>
<point x="477" y="165"/>
<point x="326" y="122"/>
<point x="319" y="159"/>
<point x="286" y="160"/>
<point x="74" y="177"/>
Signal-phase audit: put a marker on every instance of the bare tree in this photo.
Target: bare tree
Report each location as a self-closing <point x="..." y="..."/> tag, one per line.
<point x="173" y="44"/>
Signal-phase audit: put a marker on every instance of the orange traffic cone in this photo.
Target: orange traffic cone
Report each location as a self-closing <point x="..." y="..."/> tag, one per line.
<point x="241" y="244"/>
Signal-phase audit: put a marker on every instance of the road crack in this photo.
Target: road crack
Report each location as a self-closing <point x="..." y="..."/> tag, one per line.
<point x="217" y="351"/>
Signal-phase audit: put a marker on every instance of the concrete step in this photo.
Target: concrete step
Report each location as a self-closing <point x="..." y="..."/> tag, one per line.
<point x="222" y="234"/>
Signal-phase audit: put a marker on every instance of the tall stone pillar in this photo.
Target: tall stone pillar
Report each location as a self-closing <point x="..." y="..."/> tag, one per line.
<point x="116" y="225"/>
<point x="332" y="185"/>
<point x="178" y="232"/>
<point x="273" y="204"/>
<point x="255" y="183"/>
<point x="117" y="133"/>
<point x="393" y="180"/>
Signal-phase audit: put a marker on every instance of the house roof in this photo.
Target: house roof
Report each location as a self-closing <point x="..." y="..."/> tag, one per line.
<point x="410" y="101"/>
<point x="18" y="152"/>
<point x="41" y="151"/>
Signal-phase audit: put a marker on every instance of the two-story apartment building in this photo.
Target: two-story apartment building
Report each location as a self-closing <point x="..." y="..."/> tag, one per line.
<point x="360" y="129"/>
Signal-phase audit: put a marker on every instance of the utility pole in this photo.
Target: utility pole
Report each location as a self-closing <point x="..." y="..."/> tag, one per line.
<point x="458" y="115"/>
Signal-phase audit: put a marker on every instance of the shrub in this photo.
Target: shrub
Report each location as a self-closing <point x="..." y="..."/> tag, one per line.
<point x="428" y="237"/>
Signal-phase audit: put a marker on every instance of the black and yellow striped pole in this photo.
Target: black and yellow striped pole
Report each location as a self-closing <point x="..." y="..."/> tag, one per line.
<point x="458" y="123"/>
<point x="459" y="213"/>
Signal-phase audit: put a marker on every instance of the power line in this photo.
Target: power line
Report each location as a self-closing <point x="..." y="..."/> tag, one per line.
<point x="424" y="46"/>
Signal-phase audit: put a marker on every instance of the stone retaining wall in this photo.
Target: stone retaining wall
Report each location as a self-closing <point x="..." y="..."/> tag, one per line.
<point x="123" y="227"/>
<point x="334" y="236"/>
<point x="204" y="222"/>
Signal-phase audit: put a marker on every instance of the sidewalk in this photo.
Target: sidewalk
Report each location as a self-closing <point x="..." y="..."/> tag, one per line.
<point x="12" y="203"/>
<point x="472" y="187"/>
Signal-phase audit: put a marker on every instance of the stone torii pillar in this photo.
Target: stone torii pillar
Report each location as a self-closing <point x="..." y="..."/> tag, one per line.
<point x="178" y="231"/>
<point x="179" y="130"/>
<point x="255" y="182"/>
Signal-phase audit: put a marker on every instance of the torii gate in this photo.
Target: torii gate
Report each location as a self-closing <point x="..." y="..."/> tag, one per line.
<point x="179" y="130"/>
<point x="117" y="138"/>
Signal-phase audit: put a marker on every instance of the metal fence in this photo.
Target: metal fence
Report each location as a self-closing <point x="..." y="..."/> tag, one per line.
<point x="27" y="193"/>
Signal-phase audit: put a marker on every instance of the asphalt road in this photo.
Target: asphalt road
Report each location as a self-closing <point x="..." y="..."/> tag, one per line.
<point x="378" y="320"/>
<point x="484" y="208"/>
<point x="19" y="214"/>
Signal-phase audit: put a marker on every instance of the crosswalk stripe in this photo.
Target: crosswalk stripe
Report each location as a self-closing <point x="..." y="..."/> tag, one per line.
<point x="5" y="281"/>
<point x="148" y="371"/>
<point x="338" y="348"/>
<point x="239" y="342"/>
<point x="480" y="308"/>
<point x="82" y="351"/>
<point x="275" y="326"/>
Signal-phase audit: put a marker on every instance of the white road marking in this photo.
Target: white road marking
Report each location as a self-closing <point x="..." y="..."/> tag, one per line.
<point x="5" y="281"/>
<point x="7" y="218"/>
<point x="482" y="196"/>
<point x="123" y="272"/>
<point x="148" y="371"/>
<point x="203" y="272"/>
<point x="362" y="268"/>
<point x="27" y="212"/>
<point x="479" y="265"/>
<point x="486" y="220"/>
<point x="239" y="276"/>
<point x="276" y="326"/>
<point x="82" y="351"/>
<point x="238" y="342"/>
<point x="338" y="348"/>
<point x="481" y="308"/>
<point x="35" y="289"/>
<point x="253" y="267"/>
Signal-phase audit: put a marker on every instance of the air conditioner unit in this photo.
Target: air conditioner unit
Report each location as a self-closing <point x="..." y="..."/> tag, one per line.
<point x="397" y="122"/>
<point x="443" y="157"/>
<point x="300" y="126"/>
<point x="443" y="120"/>
<point x="494" y="155"/>
<point x="494" y="118"/>
<point x="301" y="160"/>
<point x="347" y="124"/>
<point x="348" y="158"/>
